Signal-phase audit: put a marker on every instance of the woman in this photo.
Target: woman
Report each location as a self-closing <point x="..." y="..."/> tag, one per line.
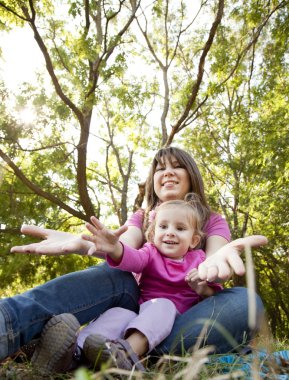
<point x="87" y="294"/>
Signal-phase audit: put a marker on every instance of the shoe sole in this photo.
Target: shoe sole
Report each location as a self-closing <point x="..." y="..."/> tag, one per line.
<point x="56" y="346"/>
<point x="95" y="350"/>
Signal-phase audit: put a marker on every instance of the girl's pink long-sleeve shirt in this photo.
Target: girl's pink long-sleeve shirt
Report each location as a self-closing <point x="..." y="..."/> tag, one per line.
<point x="162" y="277"/>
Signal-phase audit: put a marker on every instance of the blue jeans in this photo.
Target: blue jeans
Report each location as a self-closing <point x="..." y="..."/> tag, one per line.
<point x="220" y="321"/>
<point x="90" y="292"/>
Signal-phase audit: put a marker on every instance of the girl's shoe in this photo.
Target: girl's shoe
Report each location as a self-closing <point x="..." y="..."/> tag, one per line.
<point x="95" y="351"/>
<point x="117" y="353"/>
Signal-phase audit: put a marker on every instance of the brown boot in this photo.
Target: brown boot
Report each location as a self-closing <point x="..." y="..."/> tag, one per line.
<point x="57" y="344"/>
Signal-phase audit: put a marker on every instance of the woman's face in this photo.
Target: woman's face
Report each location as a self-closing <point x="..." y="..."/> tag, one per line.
<point x="171" y="181"/>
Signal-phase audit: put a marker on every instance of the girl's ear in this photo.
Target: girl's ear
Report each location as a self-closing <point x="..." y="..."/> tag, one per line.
<point x="195" y="241"/>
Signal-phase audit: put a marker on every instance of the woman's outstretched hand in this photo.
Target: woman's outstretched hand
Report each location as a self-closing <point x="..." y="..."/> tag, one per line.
<point x="226" y="261"/>
<point x="55" y="243"/>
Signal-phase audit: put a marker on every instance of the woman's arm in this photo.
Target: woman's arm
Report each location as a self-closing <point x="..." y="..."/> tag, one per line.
<point x="217" y="267"/>
<point x="220" y="265"/>
<point x="213" y="244"/>
<point x="133" y="237"/>
<point x="56" y="243"/>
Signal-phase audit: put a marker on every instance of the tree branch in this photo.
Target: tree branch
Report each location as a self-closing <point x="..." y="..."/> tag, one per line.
<point x="8" y="9"/>
<point x="253" y="41"/>
<point x="108" y="50"/>
<point x="37" y="190"/>
<point x="195" y="89"/>
<point x="49" y="65"/>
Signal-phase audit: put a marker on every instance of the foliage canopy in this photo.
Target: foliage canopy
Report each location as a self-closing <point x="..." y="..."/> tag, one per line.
<point x="123" y="78"/>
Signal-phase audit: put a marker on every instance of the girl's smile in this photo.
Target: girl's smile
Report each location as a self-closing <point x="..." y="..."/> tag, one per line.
<point x="174" y="233"/>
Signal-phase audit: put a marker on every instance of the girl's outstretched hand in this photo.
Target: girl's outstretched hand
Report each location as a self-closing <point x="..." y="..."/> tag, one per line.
<point x="226" y="261"/>
<point x="104" y="240"/>
<point x="55" y="243"/>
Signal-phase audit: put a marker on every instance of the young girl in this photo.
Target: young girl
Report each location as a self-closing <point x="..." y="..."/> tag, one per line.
<point x="89" y="293"/>
<point x="169" y="281"/>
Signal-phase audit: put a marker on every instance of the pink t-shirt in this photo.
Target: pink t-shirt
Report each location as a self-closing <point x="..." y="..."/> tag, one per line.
<point x="216" y="225"/>
<point x="162" y="277"/>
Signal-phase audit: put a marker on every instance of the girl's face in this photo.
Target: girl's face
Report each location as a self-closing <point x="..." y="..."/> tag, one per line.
<point x="174" y="233"/>
<point x="171" y="181"/>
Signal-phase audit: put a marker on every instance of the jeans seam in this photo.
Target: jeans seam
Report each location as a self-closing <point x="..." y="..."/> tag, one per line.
<point x="8" y="323"/>
<point x="88" y="306"/>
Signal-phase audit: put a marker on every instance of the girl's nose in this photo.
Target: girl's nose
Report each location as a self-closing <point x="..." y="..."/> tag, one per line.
<point x="170" y="232"/>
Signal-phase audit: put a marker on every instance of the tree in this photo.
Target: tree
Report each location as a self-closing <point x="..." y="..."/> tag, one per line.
<point x="240" y="141"/>
<point x="130" y="76"/>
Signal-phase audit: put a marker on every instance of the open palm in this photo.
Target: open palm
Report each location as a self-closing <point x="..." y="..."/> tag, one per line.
<point x="54" y="242"/>
<point x="227" y="260"/>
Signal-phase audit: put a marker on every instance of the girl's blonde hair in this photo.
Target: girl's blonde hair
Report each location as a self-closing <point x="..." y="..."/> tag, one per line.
<point x="197" y="212"/>
<point x="186" y="161"/>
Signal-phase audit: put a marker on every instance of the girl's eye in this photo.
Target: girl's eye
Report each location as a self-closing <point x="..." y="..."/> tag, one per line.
<point x="162" y="226"/>
<point x="181" y="229"/>
<point x="159" y="168"/>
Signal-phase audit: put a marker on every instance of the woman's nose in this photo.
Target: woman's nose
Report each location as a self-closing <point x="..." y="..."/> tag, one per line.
<point x="168" y="171"/>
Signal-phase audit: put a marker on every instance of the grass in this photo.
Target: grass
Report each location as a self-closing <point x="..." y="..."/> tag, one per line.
<point x="198" y="365"/>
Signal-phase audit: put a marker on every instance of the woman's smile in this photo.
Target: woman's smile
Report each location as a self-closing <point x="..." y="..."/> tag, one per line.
<point x="171" y="181"/>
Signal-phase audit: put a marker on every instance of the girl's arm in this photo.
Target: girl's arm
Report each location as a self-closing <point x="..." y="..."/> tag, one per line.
<point x="105" y="240"/>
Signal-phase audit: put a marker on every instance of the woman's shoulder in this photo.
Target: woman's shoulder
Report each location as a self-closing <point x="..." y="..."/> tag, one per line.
<point x="215" y="218"/>
<point x="217" y="225"/>
<point x="136" y="219"/>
